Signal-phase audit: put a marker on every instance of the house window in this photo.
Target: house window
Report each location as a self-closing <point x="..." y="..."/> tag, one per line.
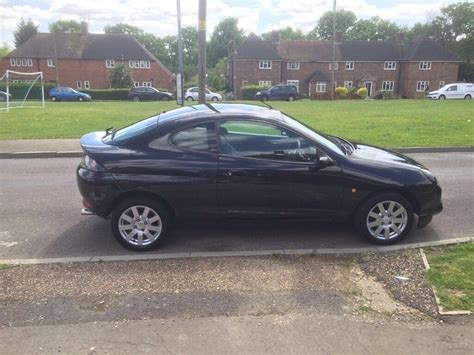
<point x="147" y="64"/>
<point x="441" y="84"/>
<point x="265" y="64"/>
<point x="264" y="83"/>
<point x="424" y="65"/>
<point x="349" y="65"/>
<point x="51" y="62"/>
<point x="422" y="85"/>
<point x="293" y="65"/>
<point x="142" y="64"/>
<point x="244" y="82"/>
<point x="295" y="83"/>
<point x="136" y="84"/>
<point x="336" y="65"/>
<point x="12" y="62"/>
<point x="79" y="84"/>
<point x="390" y="66"/>
<point x="147" y="83"/>
<point x="87" y="84"/>
<point x="110" y="63"/>
<point x="320" y="87"/>
<point x="348" y="84"/>
<point x="131" y="64"/>
<point x="388" y="85"/>
<point x="21" y="62"/>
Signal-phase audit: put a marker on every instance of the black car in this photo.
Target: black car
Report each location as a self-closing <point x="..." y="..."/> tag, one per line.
<point x="278" y="92"/>
<point x="142" y="93"/>
<point x="236" y="160"/>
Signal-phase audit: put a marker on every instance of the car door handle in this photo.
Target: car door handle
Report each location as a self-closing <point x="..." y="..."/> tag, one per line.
<point x="236" y="173"/>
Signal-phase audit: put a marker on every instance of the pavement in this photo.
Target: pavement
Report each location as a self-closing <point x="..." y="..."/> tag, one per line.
<point x="41" y="218"/>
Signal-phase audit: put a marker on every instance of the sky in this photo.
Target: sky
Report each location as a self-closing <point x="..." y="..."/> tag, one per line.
<point x="159" y="16"/>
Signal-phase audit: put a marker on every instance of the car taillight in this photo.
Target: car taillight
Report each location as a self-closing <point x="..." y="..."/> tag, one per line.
<point x="91" y="164"/>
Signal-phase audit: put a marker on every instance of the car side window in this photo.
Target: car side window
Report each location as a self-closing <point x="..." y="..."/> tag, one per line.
<point x="200" y="137"/>
<point x="453" y="88"/>
<point x="260" y="140"/>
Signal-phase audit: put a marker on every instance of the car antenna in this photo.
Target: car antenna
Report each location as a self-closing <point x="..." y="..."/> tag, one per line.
<point x="212" y="108"/>
<point x="266" y="104"/>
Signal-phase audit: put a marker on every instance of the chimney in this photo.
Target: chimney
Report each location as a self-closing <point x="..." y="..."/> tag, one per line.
<point x="338" y="36"/>
<point x="84" y="28"/>
<point x="275" y="37"/>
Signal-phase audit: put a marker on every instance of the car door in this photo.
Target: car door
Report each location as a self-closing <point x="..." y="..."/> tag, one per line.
<point x="265" y="169"/>
<point x="452" y="92"/>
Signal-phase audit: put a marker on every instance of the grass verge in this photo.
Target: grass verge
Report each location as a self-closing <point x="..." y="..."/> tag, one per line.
<point x="452" y="274"/>
<point x="389" y="123"/>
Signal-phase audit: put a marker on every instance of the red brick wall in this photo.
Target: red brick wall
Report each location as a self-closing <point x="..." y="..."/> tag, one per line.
<point x="73" y="70"/>
<point x="249" y="71"/>
<point x="411" y="74"/>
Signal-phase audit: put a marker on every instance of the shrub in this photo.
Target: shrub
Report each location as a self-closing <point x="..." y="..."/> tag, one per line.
<point x="109" y="94"/>
<point x="386" y="95"/>
<point x="248" y="92"/>
<point x="362" y="93"/>
<point x="342" y="92"/>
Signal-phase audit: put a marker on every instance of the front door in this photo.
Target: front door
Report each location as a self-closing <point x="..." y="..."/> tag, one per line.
<point x="268" y="170"/>
<point x="368" y="85"/>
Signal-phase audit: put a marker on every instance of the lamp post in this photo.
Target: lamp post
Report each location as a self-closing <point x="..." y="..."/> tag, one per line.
<point x="333" y="48"/>
<point x="202" y="51"/>
<point x="179" y="76"/>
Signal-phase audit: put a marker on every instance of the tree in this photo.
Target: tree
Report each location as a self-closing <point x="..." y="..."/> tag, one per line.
<point x="286" y="34"/>
<point x="65" y="26"/>
<point x="4" y="50"/>
<point x="24" y="31"/>
<point x="344" y="20"/>
<point x="225" y="33"/>
<point x="120" y="77"/>
<point x="216" y="76"/>
<point x="373" y="29"/>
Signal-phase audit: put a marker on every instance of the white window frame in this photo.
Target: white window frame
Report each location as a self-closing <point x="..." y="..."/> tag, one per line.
<point x="79" y="84"/>
<point x="320" y="87"/>
<point x="244" y="82"/>
<point x="24" y="62"/>
<point x="13" y="62"/>
<point x="264" y="83"/>
<point x="424" y="65"/>
<point x="388" y="85"/>
<point x="336" y="66"/>
<point x="142" y="64"/>
<point x="422" y="85"/>
<point x="51" y="62"/>
<point x="350" y="65"/>
<point x="87" y="84"/>
<point x="147" y="64"/>
<point x="390" y="65"/>
<point x="348" y="84"/>
<point x="441" y="83"/>
<point x="147" y="84"/>
<point x="110" y="63"/>
<point x="295" y="83"/>
<point x="131" y="64"/>
<point x="293" y="65"/>
<point x="136" y="84"/>
<point x="264" y="64"/>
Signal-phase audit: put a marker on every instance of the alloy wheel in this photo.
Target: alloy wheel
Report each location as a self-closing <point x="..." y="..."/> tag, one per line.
<point x="140" y="225"/>
<point x="387" y="220"/>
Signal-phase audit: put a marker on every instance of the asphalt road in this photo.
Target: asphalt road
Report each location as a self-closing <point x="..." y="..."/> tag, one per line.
<point x="40" y="216"/>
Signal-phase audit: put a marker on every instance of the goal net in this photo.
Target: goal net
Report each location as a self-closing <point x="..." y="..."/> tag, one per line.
<point x="19" y="90"/>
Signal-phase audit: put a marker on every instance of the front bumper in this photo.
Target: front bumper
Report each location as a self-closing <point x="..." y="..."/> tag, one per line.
<point x="429" y="201"/>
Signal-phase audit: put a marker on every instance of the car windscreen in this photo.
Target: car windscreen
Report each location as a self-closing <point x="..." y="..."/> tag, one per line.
<point x="129" y="132"/>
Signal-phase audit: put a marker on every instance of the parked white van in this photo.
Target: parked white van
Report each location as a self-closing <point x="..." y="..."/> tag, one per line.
<point x="453" y="91"/>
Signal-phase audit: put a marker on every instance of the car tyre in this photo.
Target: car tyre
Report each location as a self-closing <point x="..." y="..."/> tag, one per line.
<point x="384" y="219"/>
<point x="141" y="223"/>
<point x="80" y="99"/>
<point x="190" y="98"/>
<point x="467" y="97"/>
<point x="214" y="98"/>
<point x="441" y="97"/>
<point x="291" y="98"/>
<point x="136" y="98"/>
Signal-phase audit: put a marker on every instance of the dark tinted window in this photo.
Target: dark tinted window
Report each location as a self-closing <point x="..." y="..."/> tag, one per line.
<point x="133" y="130"/>
<point x="200" y="137"/>
<point x="260" y="140"/>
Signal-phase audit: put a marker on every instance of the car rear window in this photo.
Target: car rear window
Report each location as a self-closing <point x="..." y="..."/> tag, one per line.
<point x="134" y="130"/>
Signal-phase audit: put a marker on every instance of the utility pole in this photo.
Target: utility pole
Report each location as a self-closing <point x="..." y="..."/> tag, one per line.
<point x="202" y="51"/>
<point x="179" y="76"/>
<point x="333" y="48"/>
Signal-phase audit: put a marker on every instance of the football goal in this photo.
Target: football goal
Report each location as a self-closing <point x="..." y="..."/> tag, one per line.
<point x="19" y="90"/>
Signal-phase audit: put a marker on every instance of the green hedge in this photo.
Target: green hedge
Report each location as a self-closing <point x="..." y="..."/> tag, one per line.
<point x="18" y="91"/>
<point x="109" y="94"/>
<point x="248" y="92"/>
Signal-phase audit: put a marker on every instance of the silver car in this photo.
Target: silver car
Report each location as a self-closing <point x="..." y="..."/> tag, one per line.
<point x="193" y="94"/>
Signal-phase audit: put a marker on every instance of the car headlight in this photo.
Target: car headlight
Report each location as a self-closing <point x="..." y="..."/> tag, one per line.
<point x="258" y="93"/>
<point x="429" y="175"/>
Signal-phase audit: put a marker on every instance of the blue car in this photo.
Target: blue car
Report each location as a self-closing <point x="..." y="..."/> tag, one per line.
<point x="67" y="94"/>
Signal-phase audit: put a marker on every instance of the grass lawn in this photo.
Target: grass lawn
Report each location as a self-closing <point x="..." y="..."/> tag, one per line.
<point x="391" y="123"/>
<point x="452" y="274"/>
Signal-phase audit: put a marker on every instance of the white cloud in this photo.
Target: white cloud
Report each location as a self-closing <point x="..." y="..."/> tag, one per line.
<point x="159" y="17"/>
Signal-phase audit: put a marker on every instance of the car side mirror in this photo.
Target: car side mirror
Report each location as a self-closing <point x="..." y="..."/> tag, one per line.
<point x="323" y="162"/>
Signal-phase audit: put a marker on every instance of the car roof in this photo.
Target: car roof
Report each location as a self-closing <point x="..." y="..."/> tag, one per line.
<point x="219" y="110"/>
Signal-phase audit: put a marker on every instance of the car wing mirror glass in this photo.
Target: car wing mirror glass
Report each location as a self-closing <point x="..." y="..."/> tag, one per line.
<point x="323" y="162"/>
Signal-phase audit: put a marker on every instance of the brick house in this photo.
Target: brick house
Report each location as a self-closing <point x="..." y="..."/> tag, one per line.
<point x="407" y="68"/>
<point x="85" y="60"/>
